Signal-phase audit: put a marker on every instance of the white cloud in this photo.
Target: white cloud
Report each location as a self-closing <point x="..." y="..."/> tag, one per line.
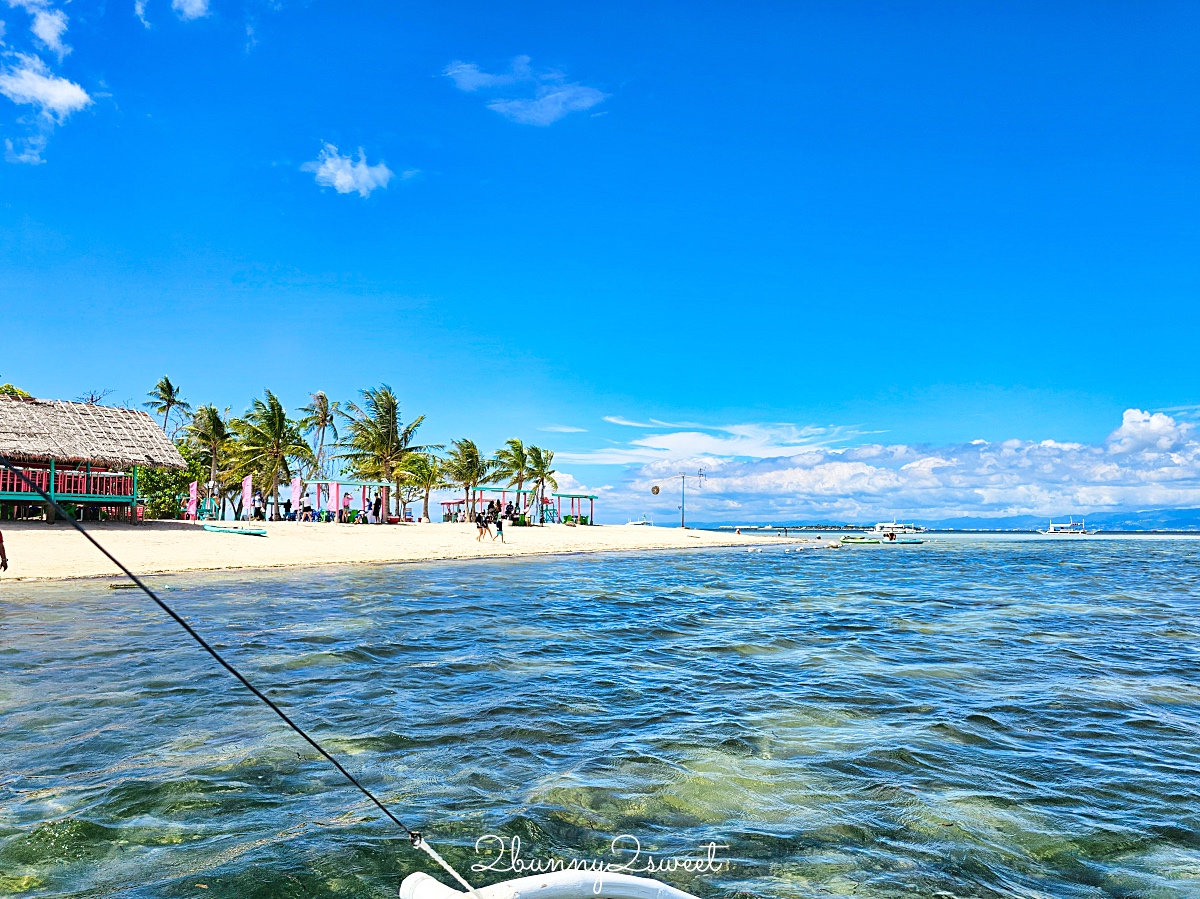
<point x="468" y="76"/>
<point x="764" y="471"/>
<point x="29" y="81"/>
<point x="49" y="24"/>
<point x="190" y="9"/>
<point x="549" y="105"/>
<point x="552" y="100"/>
<point x="344" y="175"/>
<point x="1140" y="432"/>
<point x="30" y="154"/>
<point x="139" y="10"/>
<point x="563" y="429"/>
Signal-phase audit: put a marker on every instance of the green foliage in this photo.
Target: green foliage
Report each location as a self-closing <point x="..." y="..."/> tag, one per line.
<point x="10" y="390"/>
<point x="512" y="463"/>
<point x="163" y="398"/>
<point x="422" y="473"/>
<point x="320" y="415"/>
<point x="266" y="444"/>
<point x="162" y="487"/>
<point x="375" y="441"/>
<point x="466" y="467"/>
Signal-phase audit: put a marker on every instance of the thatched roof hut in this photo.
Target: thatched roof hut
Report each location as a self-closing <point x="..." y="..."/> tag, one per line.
<point x="74" y="433"/>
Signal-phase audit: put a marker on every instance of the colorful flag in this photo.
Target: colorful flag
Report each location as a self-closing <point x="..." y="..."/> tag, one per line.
<point x="247" y="488"/>
<point x="192" y="498"/>
<point x="335" y="501"/>
<point x="296" y="496"/>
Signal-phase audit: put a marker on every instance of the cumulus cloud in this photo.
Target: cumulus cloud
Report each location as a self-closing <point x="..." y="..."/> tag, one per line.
<point x="139" y="10"/>
<point x="48" y="25"/>
<point x="1150" y="461"/>
<point x="29" y="81"/>
<point x="344" y="175"/>
<point x="553" y="97"/>
<point x="190" y="9"/>
<point x="1141" y="431"/>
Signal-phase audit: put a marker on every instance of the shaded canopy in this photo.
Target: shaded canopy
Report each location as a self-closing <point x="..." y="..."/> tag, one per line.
<point x="41" y="430"/>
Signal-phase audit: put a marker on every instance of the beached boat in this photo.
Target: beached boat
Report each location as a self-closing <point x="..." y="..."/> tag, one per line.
<point x="226" y="529"/>
<point x="1071" y="528"/>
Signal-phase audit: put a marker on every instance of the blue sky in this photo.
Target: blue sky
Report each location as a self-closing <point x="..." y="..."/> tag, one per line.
<point x="751" y="231"/>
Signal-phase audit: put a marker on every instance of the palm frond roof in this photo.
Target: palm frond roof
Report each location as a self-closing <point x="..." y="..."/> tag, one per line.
<point x="34" y="430"/>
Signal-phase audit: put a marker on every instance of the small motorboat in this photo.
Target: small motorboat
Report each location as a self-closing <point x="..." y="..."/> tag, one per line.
<point x="860" y="541"/>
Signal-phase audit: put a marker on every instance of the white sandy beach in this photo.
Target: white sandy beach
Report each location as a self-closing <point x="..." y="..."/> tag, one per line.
<point x="39" y="551"/>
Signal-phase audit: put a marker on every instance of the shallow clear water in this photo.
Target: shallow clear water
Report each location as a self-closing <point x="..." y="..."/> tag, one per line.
<point x="964" y="718"/>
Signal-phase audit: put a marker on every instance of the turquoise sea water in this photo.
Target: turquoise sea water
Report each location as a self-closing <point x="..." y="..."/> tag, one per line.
<point x="964" y="718"/>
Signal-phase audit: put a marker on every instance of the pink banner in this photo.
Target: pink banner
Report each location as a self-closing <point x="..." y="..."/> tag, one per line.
<point x="335" y="501"/>
<point x="246" y="496"/>
<point x="296" y="496"/>
<point x="193" y="497"/>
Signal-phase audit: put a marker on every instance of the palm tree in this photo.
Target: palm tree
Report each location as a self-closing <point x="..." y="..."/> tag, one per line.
<point x="512" y="464"/>
<point x="164" y="397"/>
<point x="376" y="442"/>
<point x="467" y="468"/>
<point x="320" y="415"/>
<point x="207" y="433"/>
<point x="541" y="472"/>
<point x="266" y="443"/>
<point x="423" y="471"/>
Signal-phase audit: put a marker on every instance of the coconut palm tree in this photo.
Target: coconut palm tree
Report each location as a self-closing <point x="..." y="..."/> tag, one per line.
<point x="541" y="473"/>
<point x="512" y="465"/>
<point x="376" y="442"/>
<point x="320" y="416"/>
<point x="267" y="444"/>
<point x="423" y="471"/>
<point x="208" y="434"/>
<point x="164" y="397"/>
<point x="467" y="468"/>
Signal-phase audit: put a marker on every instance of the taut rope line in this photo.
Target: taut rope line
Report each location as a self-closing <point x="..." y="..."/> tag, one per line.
<point x="414" y="836"/>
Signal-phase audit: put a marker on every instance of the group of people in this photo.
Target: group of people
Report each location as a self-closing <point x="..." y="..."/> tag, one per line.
<point x="341" y="513"/>
<point x="493" y="515"/>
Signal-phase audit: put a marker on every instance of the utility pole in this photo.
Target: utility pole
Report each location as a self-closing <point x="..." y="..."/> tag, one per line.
<point x="698" y="477"/>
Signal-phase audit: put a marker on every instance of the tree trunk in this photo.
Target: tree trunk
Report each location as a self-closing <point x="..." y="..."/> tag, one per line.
<point x="384" y="504"/>
<point x="275" y="496"/>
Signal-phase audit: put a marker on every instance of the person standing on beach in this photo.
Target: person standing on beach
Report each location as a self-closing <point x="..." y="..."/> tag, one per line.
<point x="479" y="526"/>
<point x="3" y="554"/>
<point x="499" y="527"/>
<point x="378" y="504"/>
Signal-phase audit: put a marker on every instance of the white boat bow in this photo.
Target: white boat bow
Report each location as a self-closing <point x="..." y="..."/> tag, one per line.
<point x="553" y="885"/>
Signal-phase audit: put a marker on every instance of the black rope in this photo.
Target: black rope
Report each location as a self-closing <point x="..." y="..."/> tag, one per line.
<point x="413" y="835"/>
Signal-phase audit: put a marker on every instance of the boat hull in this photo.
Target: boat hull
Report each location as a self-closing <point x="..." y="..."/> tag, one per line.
<point x="553" y="885"/>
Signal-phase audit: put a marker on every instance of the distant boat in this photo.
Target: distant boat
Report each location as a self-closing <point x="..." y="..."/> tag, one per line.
<point x="641" y="522"/>
<point x="890" y="530"/>
<point x="862" y="541"/>
<point x="1071" y="528"/>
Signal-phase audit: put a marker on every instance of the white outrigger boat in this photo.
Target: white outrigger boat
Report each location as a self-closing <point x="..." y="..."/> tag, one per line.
<point x="567" y="884"/>
<point x="890" y="530"/>
<point x="1071" y="528"/>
